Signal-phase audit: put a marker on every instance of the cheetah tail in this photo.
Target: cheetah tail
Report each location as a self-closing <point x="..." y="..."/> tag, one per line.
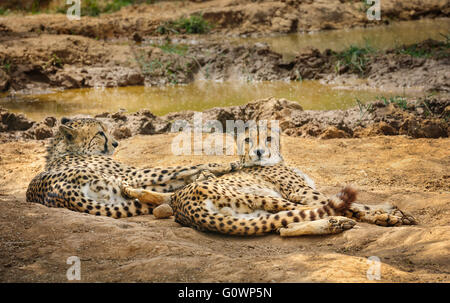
<point x="347" y="195"/>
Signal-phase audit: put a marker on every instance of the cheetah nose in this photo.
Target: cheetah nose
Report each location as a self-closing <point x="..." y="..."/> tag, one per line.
<point x="259" y="152"/>
<point x="115" y="144"/>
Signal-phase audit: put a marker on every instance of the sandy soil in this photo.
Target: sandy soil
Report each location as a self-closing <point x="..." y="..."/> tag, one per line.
<point x="411" y="173"/>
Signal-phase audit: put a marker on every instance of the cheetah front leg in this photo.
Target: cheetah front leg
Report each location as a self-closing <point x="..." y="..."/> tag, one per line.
<point x="327" y="226"/>
<point x="173" y="178"/>
<point x="384" y="215"/>
<point x="145" y="196"/>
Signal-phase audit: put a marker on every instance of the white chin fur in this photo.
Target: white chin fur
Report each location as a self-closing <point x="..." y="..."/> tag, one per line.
<point x="266" y="161"/>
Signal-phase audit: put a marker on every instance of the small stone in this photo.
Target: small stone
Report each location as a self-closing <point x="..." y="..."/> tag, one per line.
<point x="137" y="38"/>
<point x="50" y="121"/>
<point x="163" y="211"/>
<point x="43" y="132"/>
<point x="333" y="132"/>
<point x="122" y="132"/>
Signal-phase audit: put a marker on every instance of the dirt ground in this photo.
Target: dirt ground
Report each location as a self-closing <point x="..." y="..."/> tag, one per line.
<point x="44" y="51"/>
<point x="411" y="173"/>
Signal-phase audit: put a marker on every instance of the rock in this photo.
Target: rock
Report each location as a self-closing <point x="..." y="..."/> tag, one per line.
<point x="50" y="121"/>
<point x="137" y="37"/>
<point x="283" y="25"/>
<point x="119" y="116"/>
<point x="122" y="132"/>
<point x="147" y="128"/>
<point x="333" y="132"/>
<point x="434" y="128"/>
<point x="15" y="121"/>
<point x="446" y="112"/>
<point x="42" y="132"/>
<point x="135" y="78"/>
<point x="375" y="129"/>
<point x="163" y="211"/>
<point x="146" y="113"/>
<point x="4" y="81"/>
<point x="102" y="115"/>
<point x="429" y="128"/>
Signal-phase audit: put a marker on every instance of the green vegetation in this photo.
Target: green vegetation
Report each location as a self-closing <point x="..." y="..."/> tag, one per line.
<point x="415" y="51"/>
<point x="364" y="6"/>
<point x="195" y="24"/>
<point x="428" y="49"/>
<point x="116" y="5"/>
<point x="53" y="60"/>
<point x="396" y="100"/>
<point x="6" y="66"/>
<point x="447" y="39"/>
<point x="4" y="11"/>
<point x="364" y="109"/>
<point x="90" y="8"/>
<point x="170" y="48"/>
<point x="355" y="58"/>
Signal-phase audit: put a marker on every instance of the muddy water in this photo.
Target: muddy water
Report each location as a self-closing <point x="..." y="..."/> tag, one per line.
<point x="202" y="95"/>
<point x="197" y="96"/>
<point x="379" y="37"/>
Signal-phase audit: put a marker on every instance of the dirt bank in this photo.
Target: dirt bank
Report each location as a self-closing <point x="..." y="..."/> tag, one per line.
<point x="36" y="241"/>
<point x="64" y="61"/>
<point x="236" y="17"/>
<point x="416" y="118"/>
<point x="43" y="51"/>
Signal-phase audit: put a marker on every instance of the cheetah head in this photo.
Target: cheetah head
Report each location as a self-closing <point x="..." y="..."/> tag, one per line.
<point x="84" y="136"/>
<point x="259" y="144"/>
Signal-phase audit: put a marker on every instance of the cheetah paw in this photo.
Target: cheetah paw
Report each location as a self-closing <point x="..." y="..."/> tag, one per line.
<point x="339" y="224"/>
<point x="126" y="189"/>
<point x="390" y="215"/>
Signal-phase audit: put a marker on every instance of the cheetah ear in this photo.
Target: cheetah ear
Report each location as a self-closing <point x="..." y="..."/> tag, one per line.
<point x="68" y="132"/>
<point x="64" y="120"/>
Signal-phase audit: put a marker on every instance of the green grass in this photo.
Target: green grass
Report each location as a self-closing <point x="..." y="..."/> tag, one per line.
<point x="194" y="24"/>
<point x="363" y="109"/>
<point x="6" y="66"/>
<point x="415" y="51"/>
<point x="178" y="49"/>
<point x="4" y="11"/>
<point x="396" y="100"/>
<point x="424" y="51"/>
<point x="90" y="8"/>
<point x="355" y="58"/>
<point x="116" y="5"/>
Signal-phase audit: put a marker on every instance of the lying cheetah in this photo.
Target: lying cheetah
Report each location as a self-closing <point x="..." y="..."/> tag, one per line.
<point x="267" y="196"/>
<point x="80" y="175"/>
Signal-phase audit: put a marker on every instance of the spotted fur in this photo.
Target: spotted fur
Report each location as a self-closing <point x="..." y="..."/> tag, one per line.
<point x="80" y="175"/>
<point x="268" y="196"/>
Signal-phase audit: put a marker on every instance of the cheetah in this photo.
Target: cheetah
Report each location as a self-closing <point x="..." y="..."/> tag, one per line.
<point x="267" y="196"/>
<point x="80" y="175"/>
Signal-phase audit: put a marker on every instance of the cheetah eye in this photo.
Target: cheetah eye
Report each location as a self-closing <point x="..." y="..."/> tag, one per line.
<point x="269" y="139"/>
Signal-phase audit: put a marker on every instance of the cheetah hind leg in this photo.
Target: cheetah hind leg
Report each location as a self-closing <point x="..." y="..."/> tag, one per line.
<point x="384" y="214"/>
<point x="327" y="226"/>
<point x="145" y="196"/>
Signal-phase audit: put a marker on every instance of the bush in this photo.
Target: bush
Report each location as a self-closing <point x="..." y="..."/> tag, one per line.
<point x="195" y="24"/>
